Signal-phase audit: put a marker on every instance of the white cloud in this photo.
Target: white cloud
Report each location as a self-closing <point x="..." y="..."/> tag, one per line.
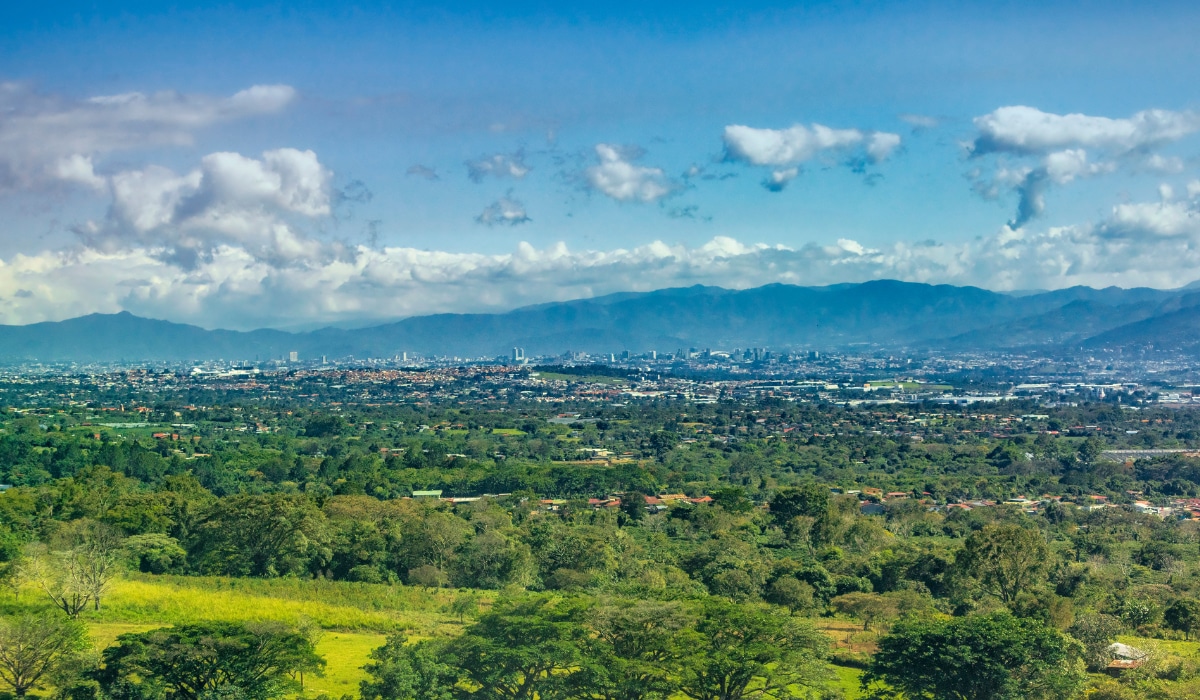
<point x="1020" y="129"/>
<point x="505" y="211"/>
<point x="619" y="177"/>
<point x="1061" y="145"/>
<point x="499" y="165"/>
<point x="1154" y="244"/>
<point x="46" y="139"/>
<point x="776" y="180"/>
<point x="784" y="150"/>
<point x="882" y="145"/>
<point x="1167" y="165"/>
<point x="229" y="199"/>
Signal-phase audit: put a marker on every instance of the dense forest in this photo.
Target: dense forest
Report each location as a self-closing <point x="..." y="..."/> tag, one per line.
<point x="653" y="550"/>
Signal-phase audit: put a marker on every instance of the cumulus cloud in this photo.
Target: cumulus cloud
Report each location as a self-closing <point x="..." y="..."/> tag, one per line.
<point x="784" y="150"/>
<point x="776" y="180"/>
<point x="1059" y="146"/>
<point x="617" y="175"/>
<point x="1027" y="130"/>
<point x="500" y="165"/>
<point x="45" y="139"/>
<point x="505" y="211"/>
<point x="230" y="199"/>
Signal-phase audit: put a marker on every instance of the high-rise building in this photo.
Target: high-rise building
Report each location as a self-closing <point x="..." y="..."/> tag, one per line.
<point x="518" y="354"/>
<point x="293" y="356"/>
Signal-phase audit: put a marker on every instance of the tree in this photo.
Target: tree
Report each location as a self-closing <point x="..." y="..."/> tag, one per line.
<point x="464" y="604"/>
<point x="324" y="425"/>
<point x="1005" y="559"/>
<point x="491" y="560"/>
<point x="981" y="657"/>
<point x="155" y="553"/>
<point x="1183" y="616"/>
<point x="191" y="661"/>
<point x="261" y="535"/>
<point x="51" y="573"/>
<point x="1096" y="632"/>
<point x="663" y="442"/>
<point x="746" y="650"/>
<point x="33" y="647"/>
<point x="521" y="649"/>
<point x="732" y="499"/>
<point x="809" y="500"/>
<point x="632" y="649"/>
<point x="633" y="505"/>
<point x="402" y="671"/>
<point x="791" y="593"/>
<point x="78" y="570"/>
<point x="868" y="607"/>
<point x="426" y="576"/>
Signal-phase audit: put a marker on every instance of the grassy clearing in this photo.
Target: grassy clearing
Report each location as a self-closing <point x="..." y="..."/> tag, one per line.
<point x="507" y="431"/>
<point x="345" y="654"/>
<point x="848" y="681"/>
<point x="332" y="605"/>
<point x="1177" y="647"/>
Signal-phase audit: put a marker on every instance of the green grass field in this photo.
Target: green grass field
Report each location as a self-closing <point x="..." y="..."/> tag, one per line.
<point x="354" y="618"/>
<point x="848" y="681"/>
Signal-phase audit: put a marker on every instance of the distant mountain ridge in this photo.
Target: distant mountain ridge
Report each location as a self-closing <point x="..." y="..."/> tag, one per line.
<point x="883" y="313"/>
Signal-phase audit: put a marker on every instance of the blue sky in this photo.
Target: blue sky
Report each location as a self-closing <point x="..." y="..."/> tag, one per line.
<point x="289" y="165"/>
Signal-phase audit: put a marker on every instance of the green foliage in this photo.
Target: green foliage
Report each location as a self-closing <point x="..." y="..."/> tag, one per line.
<point x="980" y="657"/>
<point x="190" y="661"/>
<point x="1184" y="616"/>
<point x="751" y="651"/>
<point x="267" y="535"/>
<point x="1096" y="631"/>
<point x="1006" y="560"/>
<point x="402" y="671"/>
<point x="155" y="553"/>
<point x="36" y="647"/>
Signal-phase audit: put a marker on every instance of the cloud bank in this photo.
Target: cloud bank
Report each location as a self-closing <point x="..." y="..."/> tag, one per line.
<point x="1149" y="243"/>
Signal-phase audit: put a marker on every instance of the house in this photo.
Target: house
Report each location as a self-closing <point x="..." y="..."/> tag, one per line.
<point x="1125" y="658"/>
<point x="427" y="494"/>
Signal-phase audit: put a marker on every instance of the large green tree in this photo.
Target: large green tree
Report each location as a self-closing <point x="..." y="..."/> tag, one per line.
<point x="1006" y="560"/>
<point x="632" y="649"/>
<point x="187" y="661"/>
<point x="981" y="657"/>
<point x="33" y="647"/>
<point x="747" y="650"/>
<point x="402" y="671"/>
<point x="522" y="649"/>
<point x="261" y="535"/>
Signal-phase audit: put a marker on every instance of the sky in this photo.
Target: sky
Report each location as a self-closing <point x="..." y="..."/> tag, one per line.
<point x="302" y="164"/>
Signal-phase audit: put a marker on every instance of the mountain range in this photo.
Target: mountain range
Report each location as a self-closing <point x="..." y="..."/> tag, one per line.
<point x="884" y="314"/>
